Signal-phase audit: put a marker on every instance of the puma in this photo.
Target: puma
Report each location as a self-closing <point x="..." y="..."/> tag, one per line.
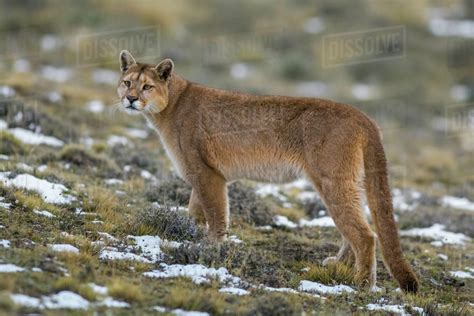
<point x="214" y="136"/>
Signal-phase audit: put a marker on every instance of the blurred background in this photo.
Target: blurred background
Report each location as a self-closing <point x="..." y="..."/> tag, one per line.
<point x="408" y="64"/>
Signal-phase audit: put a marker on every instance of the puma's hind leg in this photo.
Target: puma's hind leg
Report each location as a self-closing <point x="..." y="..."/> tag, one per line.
<point x="345" y="255"/>
<point x="342" y="198"/>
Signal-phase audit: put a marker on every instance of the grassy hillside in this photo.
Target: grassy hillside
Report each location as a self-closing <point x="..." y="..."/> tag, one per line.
<point x="93" y="218"/>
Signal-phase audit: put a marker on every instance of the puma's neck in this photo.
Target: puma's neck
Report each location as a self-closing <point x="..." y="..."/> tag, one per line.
<point x="176" y="88"/>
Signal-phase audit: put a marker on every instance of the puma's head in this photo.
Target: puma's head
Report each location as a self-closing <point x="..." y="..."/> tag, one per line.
<point x="143" y="88"/>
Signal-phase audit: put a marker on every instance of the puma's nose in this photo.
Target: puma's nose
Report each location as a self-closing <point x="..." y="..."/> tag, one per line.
<point x="131" y="99"/>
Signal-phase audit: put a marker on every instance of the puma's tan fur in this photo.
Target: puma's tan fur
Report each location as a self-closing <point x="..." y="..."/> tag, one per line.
<point x="214" y="136"/>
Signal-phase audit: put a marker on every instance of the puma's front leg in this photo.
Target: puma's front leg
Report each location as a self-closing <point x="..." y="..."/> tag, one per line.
<point x="195" y="209"/>
<point x="211" y="191"/>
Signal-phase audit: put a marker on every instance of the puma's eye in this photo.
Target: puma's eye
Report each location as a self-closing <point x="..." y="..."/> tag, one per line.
<point x="147" y="87"/>
<point x="127" y="83"/>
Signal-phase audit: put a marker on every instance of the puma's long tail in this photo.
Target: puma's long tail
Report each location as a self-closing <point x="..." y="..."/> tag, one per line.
<point x="381" y="207"/>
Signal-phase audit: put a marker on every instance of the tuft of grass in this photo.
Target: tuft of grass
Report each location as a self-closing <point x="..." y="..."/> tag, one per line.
<point x="126" y="291"/>
<point x="8" y="282"/>
<point x="188" y="298"/>
<point x="167" y="223"/>
<point x="275" y="304"/>
<point x="331" y="274"/>
<point x="6" y="304"/>
<point x="105" y="203"/>
<point x="82" y="158"/>
<point x="9" y="145"/>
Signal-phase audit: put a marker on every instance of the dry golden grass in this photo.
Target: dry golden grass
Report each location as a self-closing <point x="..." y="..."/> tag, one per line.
<point x="331" y="274"/>
<point x="126" y="291"/>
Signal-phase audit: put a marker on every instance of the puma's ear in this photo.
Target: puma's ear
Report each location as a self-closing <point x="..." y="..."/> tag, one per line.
<point x="165" y="68"/>
<point x="126" y="60"/>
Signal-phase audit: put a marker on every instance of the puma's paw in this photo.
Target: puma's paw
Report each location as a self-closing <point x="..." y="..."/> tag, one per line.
<point x="329" y="261"/>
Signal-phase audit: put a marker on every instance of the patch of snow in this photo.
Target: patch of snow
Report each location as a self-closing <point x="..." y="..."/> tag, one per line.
<point x="235" y="239"/>
<point x="397" y="309"/>
<point x="63" y="248"/>
<point x="312" y="89"/>
<point x="404" y="201"/>
<point x="115" y="140"/>
<point x="437" y="243"/>
<point x="362" y="91"/>
<point x="54" y="97"/>
<point x="280" y="289"/>
<point x="309" y="286"/>
<point x="234" y="291"/>
<point x="21" y="65"/>
<point x="137" y="133"/>
<point x="105" y="76"/>
<point x="4" y="157"/>
<point x="42" y="168"/>
<point x="445" y="27"/>
<point x="95" y="106"/>
<point x="265" y="190"/>
<point x="107" y="236"/>
<point x="458" y="203"/>
<point x="437" y="233"/>
<point x="196" y="272"/>
<point x="306" y="196"/>
<point x="7" y="92"/>
<point x="239" y="71"/>
<point x="32" y="138"/>
<point x="376" y="289"/>
<point x="5" y="243"/>
<point x="461" y="274"/>
<point x="145" y="174"/>
<point x="56" y="74"/>
<point x="36" y="269"/>
<point x="300" y="184"/>
<point x="111" y="254"/>
<point x="325" y="221"/>
<point x="113" y="181"/>
<point x="65" y="300"/>
<point x="314" y="25"/>
<point x="24" y="167"/>
<point x="460" y="93"/>
<point x="26" y="301"/>
<point x="149" y="246"/>
<point x="50" y="42"/>
<point x="44" y="213"/>
<point x="159" y="309"/>
<point x="10" y="268"/>
<point x="111" y="303"/>
<point x="87" y="141"/>
<point x="98" y="289"/>
<point x="181" y="312"/>
<point x="283" y="221"/>
<point x="50" y="192"/>
<point x="443" y="256"/>
<point x="264" y="228"/>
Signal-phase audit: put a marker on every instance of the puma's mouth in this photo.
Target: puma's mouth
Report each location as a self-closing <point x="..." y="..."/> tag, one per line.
<point x="131" y="107"/>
